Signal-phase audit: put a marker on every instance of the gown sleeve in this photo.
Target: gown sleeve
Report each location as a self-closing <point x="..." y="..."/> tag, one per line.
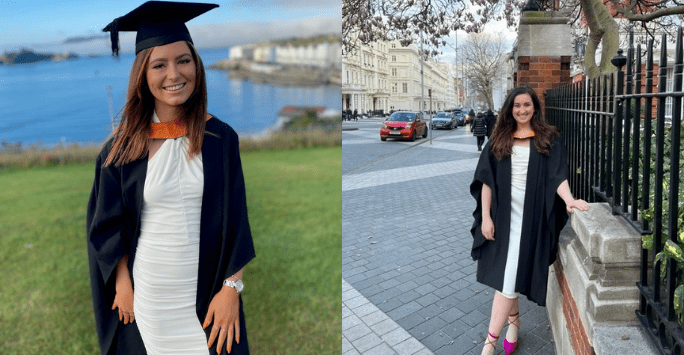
<point x="106" y="244"/>
<point x="558" y="164"/>
<point x="557" y="216"/>
<point x="238" y="231"/>
<point x="484" y="174"/>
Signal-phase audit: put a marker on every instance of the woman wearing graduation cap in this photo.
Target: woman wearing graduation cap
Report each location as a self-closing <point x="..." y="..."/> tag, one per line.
<point x="167" y="227"/>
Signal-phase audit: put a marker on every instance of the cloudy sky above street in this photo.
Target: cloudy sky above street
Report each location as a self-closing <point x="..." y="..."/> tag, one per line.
<point x="493" y="27"/>
<point x="44" y="24"/>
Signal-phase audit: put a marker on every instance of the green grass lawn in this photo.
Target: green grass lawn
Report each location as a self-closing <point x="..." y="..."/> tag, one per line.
<point x="292" y="289"/>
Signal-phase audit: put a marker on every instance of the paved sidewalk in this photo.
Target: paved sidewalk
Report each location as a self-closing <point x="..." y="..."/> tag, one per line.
<point x="408" y="280"/>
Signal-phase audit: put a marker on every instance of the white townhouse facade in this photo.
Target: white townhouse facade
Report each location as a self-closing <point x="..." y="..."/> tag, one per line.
<point x="405" y="80"/>
<point x="386" y="76"/>
<point x="446" y="83"/>
<point x="365" y="85"/>
<point x="321" y="55"/>
<point x="245" y="52"/>
<point x="327" y="54"/>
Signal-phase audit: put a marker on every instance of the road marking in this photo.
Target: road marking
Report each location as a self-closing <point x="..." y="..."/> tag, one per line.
<point x="359" y="141"/>
<point x="439" y="144"/>
<point x="363" y="132"/>
<point x="391" y="176"/>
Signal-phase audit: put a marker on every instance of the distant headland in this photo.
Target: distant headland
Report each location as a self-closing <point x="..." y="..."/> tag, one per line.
<point x="25" y="56"/>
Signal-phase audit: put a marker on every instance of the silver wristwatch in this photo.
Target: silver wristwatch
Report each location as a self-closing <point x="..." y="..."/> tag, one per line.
<point x="237" y="285"/>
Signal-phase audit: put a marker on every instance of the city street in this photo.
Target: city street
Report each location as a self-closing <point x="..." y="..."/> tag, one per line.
<point x="408" y="279"/>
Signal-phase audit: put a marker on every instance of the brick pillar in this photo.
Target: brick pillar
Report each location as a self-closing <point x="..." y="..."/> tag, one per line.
<point x="543" y="72"/>
<point x="544" y="50"/>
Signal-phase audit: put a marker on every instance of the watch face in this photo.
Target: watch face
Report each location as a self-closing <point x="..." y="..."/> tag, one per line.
<point x="239" y="286"/>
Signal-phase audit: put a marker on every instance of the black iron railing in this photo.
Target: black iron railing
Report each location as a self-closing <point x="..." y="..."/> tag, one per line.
<point x="616" y="157"/>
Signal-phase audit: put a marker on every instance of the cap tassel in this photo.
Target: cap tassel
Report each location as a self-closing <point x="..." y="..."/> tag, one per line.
<point x="114" y="35"/>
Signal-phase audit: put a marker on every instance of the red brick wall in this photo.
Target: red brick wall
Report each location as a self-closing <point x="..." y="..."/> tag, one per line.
<point x="543" y="73"/>
<point x="580" y="339"/>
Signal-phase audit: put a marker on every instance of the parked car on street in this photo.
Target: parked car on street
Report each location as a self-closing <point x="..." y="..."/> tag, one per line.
<point x="444" y="120"/>
<point x="460" y="116"/>
<point x="405" y="125"/>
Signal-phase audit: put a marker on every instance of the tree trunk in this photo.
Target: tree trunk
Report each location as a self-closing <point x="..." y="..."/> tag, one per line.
<point x="490" y="98"/>
<point x="603" y="29"/>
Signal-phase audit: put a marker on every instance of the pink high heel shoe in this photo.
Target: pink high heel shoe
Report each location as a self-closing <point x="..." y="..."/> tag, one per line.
<point x="509" y="348"/>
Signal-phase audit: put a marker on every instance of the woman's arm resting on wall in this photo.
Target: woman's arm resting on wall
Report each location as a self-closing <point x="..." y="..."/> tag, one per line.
<point x="570" y="203"/>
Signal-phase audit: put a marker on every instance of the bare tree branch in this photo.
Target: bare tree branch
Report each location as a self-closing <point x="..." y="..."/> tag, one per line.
<point x="650" y="16"/>
<point x="483" y="55"/>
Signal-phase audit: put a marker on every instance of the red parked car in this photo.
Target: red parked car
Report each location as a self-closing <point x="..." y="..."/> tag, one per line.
<point x="405" y="125"/>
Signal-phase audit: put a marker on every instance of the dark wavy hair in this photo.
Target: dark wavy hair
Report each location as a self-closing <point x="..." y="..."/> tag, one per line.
<point x="132" y="135"/>
<point x="501" y="141"/>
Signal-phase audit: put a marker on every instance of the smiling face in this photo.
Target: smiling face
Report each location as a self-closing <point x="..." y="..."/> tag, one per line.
<point x="171" y="75"/>
<point x="523" y="109"/>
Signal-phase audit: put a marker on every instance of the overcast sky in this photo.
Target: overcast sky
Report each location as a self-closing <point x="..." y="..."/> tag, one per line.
<point x="44" y="24"/>
<point x="492" y="27"/>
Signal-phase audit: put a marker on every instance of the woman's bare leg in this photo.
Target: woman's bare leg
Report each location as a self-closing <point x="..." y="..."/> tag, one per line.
<point x="512" y="332"/>
<point x="501" y="308"/>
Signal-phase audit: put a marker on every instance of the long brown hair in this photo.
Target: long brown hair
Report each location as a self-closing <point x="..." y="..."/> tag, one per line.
<point x="501" y="141"/>
<point x="132" y="135"/>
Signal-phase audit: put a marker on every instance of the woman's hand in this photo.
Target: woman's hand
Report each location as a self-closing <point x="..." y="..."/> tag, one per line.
<point x="124" y="301"/>
<point x="224" y="312"/>
<point x="578" y="204"/>
<point x="487" y="228"/>
<point x="570" y="203"/>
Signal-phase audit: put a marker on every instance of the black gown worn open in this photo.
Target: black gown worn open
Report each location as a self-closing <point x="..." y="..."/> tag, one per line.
<point x="544" y="216"/>
<point x="113" y="228"/>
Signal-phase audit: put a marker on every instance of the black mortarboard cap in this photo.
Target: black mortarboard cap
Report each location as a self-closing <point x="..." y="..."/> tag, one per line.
<point x="157" y="23"/>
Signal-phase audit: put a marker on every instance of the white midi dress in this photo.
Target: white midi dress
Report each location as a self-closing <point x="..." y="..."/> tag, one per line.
<point x="519" y="161"/>
<point x="167" y="255"/>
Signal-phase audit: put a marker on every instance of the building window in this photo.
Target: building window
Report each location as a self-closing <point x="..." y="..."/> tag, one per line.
<point x="394" y="71"/>
<point x="405" y="88"/>
<point x="394" y="87"/>
<point x="394" y="58"/>
<point x="394" y="45"/>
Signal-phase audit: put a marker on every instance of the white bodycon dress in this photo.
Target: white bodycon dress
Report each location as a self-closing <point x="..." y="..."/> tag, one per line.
<point x="519" y="161"/>
<point x="167" y="256"/>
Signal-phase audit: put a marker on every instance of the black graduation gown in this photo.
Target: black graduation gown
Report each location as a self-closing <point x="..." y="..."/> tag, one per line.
<point x="113" y="228"/>
<point x="544" y="215"/>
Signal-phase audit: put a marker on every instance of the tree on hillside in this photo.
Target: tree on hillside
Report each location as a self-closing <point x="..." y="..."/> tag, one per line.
<point x="366" y="21"/>
<point x="483" y="55"/>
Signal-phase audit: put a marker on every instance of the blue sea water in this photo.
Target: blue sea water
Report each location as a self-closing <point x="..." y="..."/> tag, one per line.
<point x="68" y="101"/>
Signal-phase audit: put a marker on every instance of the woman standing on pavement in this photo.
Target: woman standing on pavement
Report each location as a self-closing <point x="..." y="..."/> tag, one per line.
<point x="522" y="195"/>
